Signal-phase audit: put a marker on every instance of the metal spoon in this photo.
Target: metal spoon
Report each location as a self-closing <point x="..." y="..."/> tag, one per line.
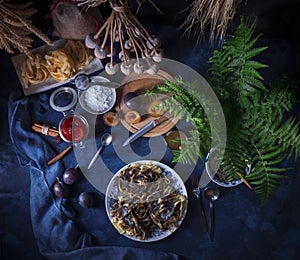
<point x="211" y="194"/>
<point x="105" y="140"/>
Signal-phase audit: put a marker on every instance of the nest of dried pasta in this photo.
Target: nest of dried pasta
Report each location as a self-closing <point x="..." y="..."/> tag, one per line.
<point x="61" y="63"/>
<point x="146" y="201"/>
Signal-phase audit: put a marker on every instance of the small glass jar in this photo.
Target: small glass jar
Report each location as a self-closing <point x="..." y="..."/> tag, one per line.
<point x="63" y="99"/>
<point x="72" y="128"/>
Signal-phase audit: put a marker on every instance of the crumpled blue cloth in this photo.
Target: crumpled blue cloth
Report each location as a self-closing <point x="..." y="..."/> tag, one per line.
<point x="56" y="223"/>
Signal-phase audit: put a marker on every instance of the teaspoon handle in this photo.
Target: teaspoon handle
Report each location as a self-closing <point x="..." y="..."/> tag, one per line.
<point x="203" y="217"/>
<point x="95" y="157"/>
<point x="211" y="221"/>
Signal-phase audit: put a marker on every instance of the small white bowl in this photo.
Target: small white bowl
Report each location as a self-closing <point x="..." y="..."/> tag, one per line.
<point x="96" y="84"/>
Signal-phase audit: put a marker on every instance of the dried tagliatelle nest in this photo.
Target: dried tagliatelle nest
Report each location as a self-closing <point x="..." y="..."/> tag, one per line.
<point x="79" y="53"/>
<point x="61" y="63"/>
<point x="34" y="70"/>
<point x="146" y="201"/>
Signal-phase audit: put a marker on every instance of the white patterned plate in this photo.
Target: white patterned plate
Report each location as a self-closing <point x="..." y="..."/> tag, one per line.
<point x="177" y="183"/>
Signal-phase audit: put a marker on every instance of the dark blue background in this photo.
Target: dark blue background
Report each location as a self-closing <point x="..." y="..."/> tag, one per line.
<point x="243" y="227"/>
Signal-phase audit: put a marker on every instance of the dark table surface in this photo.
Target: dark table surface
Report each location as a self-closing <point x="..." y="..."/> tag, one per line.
<point x="244" y="229"/>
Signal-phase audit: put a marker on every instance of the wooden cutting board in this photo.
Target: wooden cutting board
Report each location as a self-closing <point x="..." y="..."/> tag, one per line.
<point x="139" y="82"/>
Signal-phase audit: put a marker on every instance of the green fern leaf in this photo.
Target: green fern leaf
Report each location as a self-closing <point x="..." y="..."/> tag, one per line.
<point x="254" y="52"/>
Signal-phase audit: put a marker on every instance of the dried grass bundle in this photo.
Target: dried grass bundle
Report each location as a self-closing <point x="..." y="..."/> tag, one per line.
<point x="16" y="29"/>
<point x="214" y="14"/>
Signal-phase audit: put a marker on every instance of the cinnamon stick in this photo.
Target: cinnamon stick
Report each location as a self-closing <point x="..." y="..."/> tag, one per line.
<point x="245" y="181"/>
<point x="45" y="129"/>
<point x="43" y="125"/>
<point x="60" y="155"/>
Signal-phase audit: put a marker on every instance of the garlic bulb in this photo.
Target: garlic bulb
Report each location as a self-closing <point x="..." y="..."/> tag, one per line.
<point x="126" y="68"/>
<point x="157" y="57"/>
<point x="90" y="42"/>
<point x="153" y="42"/>
<point x="138" y="68"/>
<point x="137" y="31"/>
<point x="100" y="53"/>
<point x="117" y="36"/>
<point x="123" y="57"/>
<point x="128" y="45"/>
<point x="111" y="69"/>
<point x="153" y="69"/>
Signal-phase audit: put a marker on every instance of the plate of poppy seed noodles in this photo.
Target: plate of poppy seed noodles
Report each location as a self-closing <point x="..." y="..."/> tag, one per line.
<point x="146" y="201"/>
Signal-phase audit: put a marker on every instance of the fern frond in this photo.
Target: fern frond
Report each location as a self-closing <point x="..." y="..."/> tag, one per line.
<point x="266" y="118"/>
<point x="267" y="150"/>
<point x="232" y="66"/>
<point x="186" y="102"/>
<point x="288" y="136"/>
<point x="254" y="52"/>
<point x="190" y="150"/>
<point x="236" y="157"/>
<point x="266" y="184"/>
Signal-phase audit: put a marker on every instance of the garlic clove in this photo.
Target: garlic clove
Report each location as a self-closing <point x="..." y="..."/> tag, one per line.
<point x="126" y="68"/>
<point x="123" y="57"/>
<point x="90" y="42"/>
<point x="100" y="53"/>
<point x="111" y="69"/>
<point x="138" y="68"/>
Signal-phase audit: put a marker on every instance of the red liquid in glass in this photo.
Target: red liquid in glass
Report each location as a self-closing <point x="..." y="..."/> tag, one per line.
<point x="73" y="129"/>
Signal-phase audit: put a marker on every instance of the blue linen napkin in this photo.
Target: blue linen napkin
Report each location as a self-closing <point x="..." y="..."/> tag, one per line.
<point x="56" y="222"/>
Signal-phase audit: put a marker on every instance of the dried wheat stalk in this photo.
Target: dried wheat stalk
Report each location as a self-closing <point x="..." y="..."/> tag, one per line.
<point x="15" y="28"/>
<point x="215" y="14"/>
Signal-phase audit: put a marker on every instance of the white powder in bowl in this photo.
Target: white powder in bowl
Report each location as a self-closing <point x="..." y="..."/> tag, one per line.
<point x="98" y="98"/>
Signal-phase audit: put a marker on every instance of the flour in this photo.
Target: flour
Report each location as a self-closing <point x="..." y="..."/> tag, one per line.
<point x="98" y="98"/>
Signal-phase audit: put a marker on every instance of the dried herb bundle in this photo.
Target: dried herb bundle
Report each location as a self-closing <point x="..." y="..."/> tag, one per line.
<point x="214" y="14"/>
<point x="15" y="28"/>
